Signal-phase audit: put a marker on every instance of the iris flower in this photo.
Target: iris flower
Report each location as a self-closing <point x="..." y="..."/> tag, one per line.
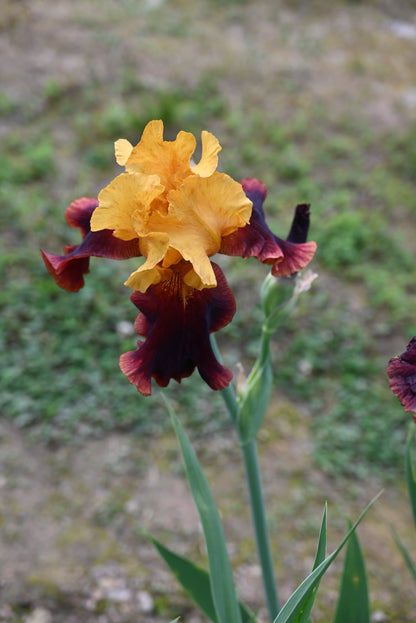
<point x="402" y="377"/>
<point x="177" y="215"/>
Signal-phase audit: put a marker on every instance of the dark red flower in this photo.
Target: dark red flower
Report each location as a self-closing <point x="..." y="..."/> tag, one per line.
<point x="402" y="377"/>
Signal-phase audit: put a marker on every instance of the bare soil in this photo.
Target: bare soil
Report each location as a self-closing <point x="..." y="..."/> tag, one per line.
<point x="73" y="517"/>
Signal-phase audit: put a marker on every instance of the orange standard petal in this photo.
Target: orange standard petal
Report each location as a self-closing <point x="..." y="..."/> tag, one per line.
<point x="123" y="149"/>
<point x="171" y="160"/>
<point x="201" y="212"/>
<point x="154" y="247"/>
<point x="126" y="200"/>
<point x="209" y="159"/>
<point x="176" y="212"/>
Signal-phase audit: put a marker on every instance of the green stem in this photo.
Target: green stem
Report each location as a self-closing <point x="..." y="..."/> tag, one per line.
<point x="258" y="513"/>
<point x="255" y="488"/>
<point x="231" y="402"/>
<point x="227" y="393"/>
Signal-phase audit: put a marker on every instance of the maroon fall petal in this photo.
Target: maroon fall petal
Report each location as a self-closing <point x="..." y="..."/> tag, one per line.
<point x="402" y="377"/>
<point x="297" y="253"/>
<point x="79" y="212"/>
<point x="68" y="270"/>
<point x="177" y="334"/>
<point x="256" y="239"/>
<point x="300" y="225"/>
<point x="295" y="257"/>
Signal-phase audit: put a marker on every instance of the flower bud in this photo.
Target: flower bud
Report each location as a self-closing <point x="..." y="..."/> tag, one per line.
<point x="275" y="291"/>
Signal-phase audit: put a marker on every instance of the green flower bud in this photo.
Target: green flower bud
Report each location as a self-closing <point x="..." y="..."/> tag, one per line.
<point x="275" y="291"/>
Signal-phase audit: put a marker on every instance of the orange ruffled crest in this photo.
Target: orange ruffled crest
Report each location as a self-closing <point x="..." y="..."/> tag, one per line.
<point x="204" y="211"/>
<point x="170" y="159"/>
<point x="127" y="199"/>
<point x="209" y="159"/>
<point x="177" y="212"/>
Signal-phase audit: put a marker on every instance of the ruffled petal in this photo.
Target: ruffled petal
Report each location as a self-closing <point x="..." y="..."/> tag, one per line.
<point x="68" y="273"/>
<point x="295" y="257"/>
<point x="177" y="324"/>
<point x="68" y="270"/>
<point x="141" y="280"/>
<point x="171" y="160"/>
<point x="297" y="253"/>
<point x="123" y="149"/>
<point x="78" y="213"/>
<point x="153" y="247"/>
<point x="201" y="212"/>
<point x="402" y="377"/>
<point x="298" y="232"/>
<point x="124" y="205"/>
<point x="209" y="158"/>
<point x="256" y="239"/>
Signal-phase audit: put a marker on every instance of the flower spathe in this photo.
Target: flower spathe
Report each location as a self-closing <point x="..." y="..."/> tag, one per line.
<point x="176" y="215"/>
<point x="402" y="377"/>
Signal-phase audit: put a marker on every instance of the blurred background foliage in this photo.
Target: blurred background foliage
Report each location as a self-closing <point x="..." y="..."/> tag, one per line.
<point x="317" y="101"/>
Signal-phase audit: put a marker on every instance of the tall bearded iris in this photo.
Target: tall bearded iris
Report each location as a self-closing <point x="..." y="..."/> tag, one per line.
<point x="176" y="215"/>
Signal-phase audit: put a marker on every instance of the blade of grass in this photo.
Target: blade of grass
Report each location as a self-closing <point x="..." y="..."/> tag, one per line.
<point x="221" y="578"/>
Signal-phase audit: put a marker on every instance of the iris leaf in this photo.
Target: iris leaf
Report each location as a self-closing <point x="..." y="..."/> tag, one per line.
<point x="353" y="606"/>
<point x="221" y="579"/>
<point x="411" y="565"/>
<point x="195" y="581"/>
<point x="304" y="614"/>
<point x="411" y="485"/>
<point x="411" y="471"/>
<point x="298" y="600"/>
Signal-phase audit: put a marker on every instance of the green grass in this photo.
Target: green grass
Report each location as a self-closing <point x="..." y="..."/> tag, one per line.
<point x="60" y="374"/>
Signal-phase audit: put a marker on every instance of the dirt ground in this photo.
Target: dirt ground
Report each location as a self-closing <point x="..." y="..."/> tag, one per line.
<point x="72" y="516"/>
<point x="72" y="521"/>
